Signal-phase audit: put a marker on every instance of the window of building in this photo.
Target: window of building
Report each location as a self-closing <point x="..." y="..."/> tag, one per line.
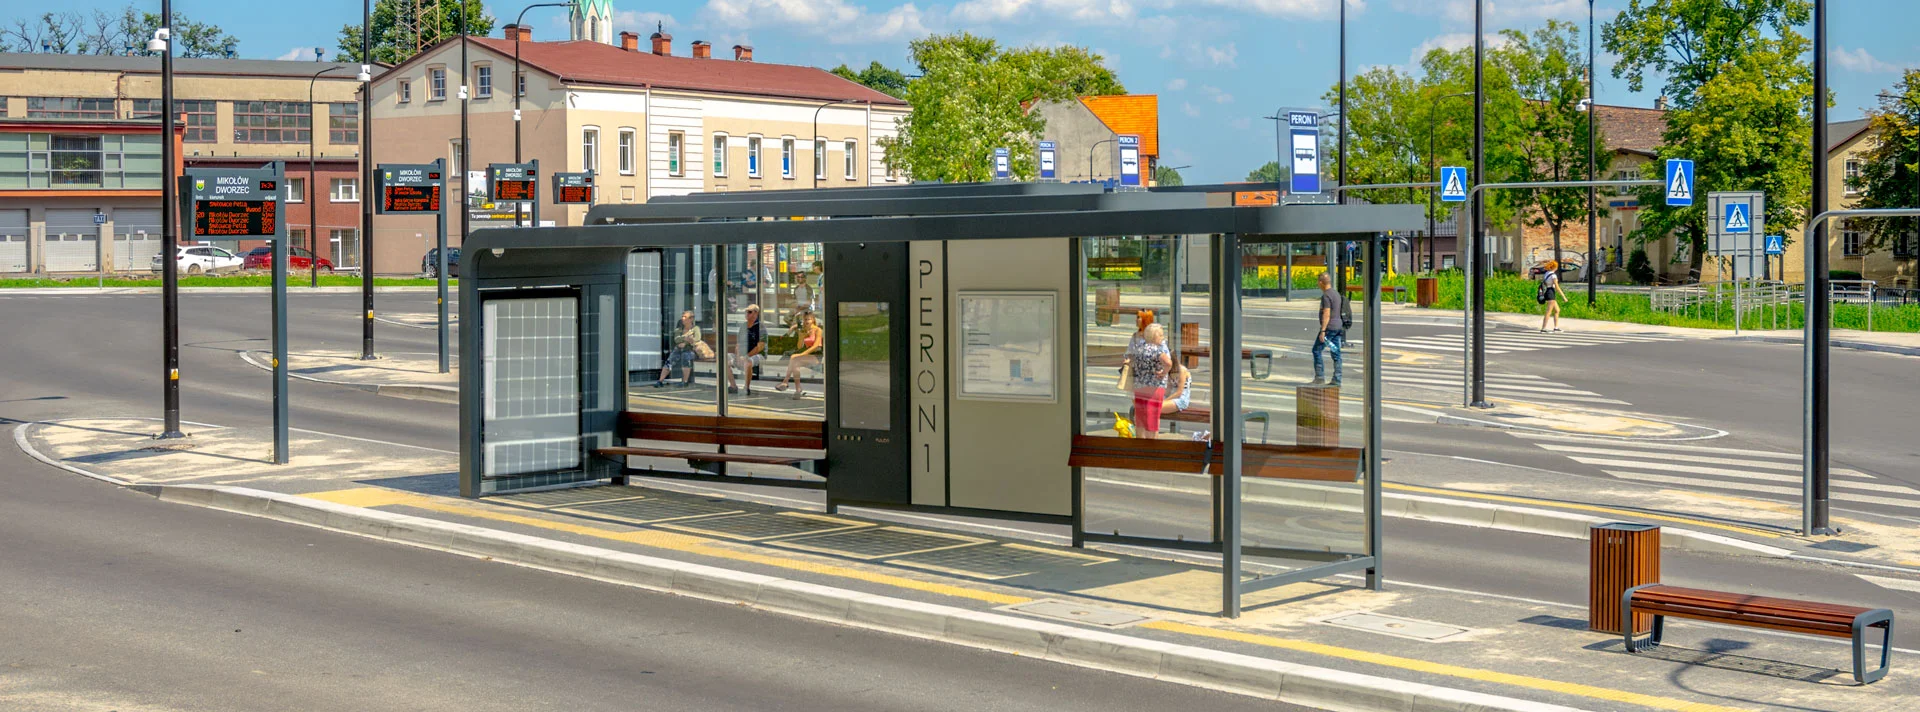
<point x="437" y="84"/>
<point x="853" y="148"/>
<point x="1906" y="244"/>
<point x="296" y="190"/>
<point x="1850" y="242"/>
<point x="200" y="119"/>
<point x="1852" y="170"/>
<point x="1621" y="190"/>
<point x="346" y="190"/>
<point x="406" y="91"/>
<point x="590" y="149"/>
<point x="145" y="109"/>
<point x="626" y="152"/>
<point x="343" y="123"/>
<point x="819" y="157"/>
<point x="43" y="160"/>
<point x="753" y="156"/>
<point x="69" y="107"/>
<point x="456" y="160"/>
<point x="786" y="158"/>
<point x="676" y="147"/>
<point x="77" y="160"/>
<point x="345" y="247"/>
<point x="272" y="122"/>
<point x="719" y="155"/>
<point x="483" y="81"/>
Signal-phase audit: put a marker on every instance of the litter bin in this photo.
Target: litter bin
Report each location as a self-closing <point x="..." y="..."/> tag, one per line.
<point x="1623" y="555"/>
<point x="1426" y="291"/>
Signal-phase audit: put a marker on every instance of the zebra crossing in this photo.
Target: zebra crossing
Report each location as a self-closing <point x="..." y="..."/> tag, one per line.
<point x="1511" y="386"/>
<point x="1501" y="342"/>
<point x="1742" y="471"/>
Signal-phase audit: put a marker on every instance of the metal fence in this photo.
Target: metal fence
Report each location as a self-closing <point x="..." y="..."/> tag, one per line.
<point x="1756" y="302"/>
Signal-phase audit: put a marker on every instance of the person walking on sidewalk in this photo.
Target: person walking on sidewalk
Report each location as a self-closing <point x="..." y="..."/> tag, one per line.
<point x="1335" y="317"/>
<point x="752" y="347"/>
<point x="1150" y="365"/>
<point x="1550" y="295"/>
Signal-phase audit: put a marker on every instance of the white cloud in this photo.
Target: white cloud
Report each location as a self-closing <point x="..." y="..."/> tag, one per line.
<point x="1281" y="8"/>
<point x="1082" y="11"/>
<point x="1859" y="60"/>
<point x="1177" y="84"/>
<point x="1450" y="41"/>
<point x="643" y="23"/>
<point x="1221" y="55"/>
<point x="1218" y="95"/>
<point x="836" y="20"/>
<point x="1187" y="107"/>
<point x="297" y="54"/>
<point x="1499" y="11"/>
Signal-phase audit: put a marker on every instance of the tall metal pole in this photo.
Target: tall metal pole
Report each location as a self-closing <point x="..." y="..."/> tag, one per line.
<point x="519" y="28"/>
<point x="466" y="155"/>
<point x="1814" y="427"/>
<point x="1433" y="172"/>
<point x="279" y="283"/>
<point x="1334" y="261"/>
<point x="366" y="181"/>
<point x="169" y="241"/>
<point x="313" y="204"/>
<point x="1476" y="258"/>
<point x="440" y="267"/>
<point x="1593" y="164"/>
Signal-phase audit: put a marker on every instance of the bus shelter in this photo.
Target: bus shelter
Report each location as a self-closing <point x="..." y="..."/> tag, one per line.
<point x="970" y="352"/>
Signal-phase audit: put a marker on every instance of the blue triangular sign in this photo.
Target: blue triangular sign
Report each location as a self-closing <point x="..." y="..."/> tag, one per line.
<point x="1737" y="218"/>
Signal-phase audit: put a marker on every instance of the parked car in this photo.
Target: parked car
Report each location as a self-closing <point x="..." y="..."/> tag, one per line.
<point x="298" y="259"/>
<point x="431" y="261"/>
<point x="201" y="259"/>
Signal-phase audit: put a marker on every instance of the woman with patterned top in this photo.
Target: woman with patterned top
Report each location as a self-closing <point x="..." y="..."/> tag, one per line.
<point x="1151" y="363"/>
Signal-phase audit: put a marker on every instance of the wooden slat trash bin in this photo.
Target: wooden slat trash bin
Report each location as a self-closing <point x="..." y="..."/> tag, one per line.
<point x="1317" y="415"/>
<point x="1426" y="292"/>
<point x="1623" y="555"/>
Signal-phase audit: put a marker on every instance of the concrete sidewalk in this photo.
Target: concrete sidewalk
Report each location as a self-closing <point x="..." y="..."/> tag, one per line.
<point x="402" y="375"/>
<point x="1327" y="644"/>
<point x="1904" y="343"/>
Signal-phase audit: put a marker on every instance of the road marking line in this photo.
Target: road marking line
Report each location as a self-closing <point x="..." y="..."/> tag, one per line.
<point x="1738" y="474"/>
<point x="1490" y="386"/>
<point x="1787" y="466"/>
<point x="1893" y="583"/>
<point x="1770" y="489"/>
<point x="1662" y="446"/>
<point x="1582" y="508"/>
<point x="1433" y="668"/>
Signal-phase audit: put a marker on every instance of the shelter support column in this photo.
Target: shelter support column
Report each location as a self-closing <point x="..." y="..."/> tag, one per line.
<point x="1373" y="486"/>
<point x="1226" y="409"/>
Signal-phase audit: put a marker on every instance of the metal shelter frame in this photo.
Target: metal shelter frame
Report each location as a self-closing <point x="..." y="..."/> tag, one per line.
<point x="590" y="261"/>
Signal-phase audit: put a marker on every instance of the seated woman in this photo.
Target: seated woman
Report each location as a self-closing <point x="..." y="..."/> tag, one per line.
<point x="811" y="339"/>
<point x="1181" y="384"/>
<point x="686" y="342"/>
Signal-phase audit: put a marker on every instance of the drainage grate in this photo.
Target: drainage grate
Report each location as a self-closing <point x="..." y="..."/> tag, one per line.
<point x="1396" y="626"/>
<point x="996" y="562"/>
<point x="648" y="511"/>
<point x="1090" y="615"/>
<point x="571" y="496"/>
<point x="878" y="543"/>
<point x="760" y="527"/>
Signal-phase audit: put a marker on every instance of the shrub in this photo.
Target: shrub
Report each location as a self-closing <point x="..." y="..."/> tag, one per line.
<point x="1639" y="268"/>
<point x="1842" y="274"/>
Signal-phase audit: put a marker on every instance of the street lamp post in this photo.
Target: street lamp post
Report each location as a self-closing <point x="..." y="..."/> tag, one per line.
<point x="366" y="181"/>
<point x="1433" y="169"/>
<point x="1476" y="255"/>
<point x="1815" y="429"/>
<point x="519" y="29"/>
<point x="819" y="150"/>
<point x="1593" y="164"/>
<point x="162" y="42"/>
<point x="313" y="211"/>
<point x="1090" y="150"/>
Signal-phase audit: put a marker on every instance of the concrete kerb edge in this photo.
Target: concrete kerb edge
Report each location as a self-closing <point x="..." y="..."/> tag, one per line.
<point x="1230" y="672"/>
<point x="444" y="394"/>
<point x="1836" y="343"/>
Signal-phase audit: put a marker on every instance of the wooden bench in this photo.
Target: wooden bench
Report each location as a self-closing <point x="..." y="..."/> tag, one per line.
<point x="1399" y="293"/>
<point x="1782" y="614"/>
<point x="714" y="430"/>
<point x="1191" y="355"/>
<point x="1285" y="462"/>
<point x="1204" y="416"/>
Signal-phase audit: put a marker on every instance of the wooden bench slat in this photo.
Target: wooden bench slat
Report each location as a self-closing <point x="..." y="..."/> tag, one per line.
<point x="1783" y="625"/>
<point x="1750" y="603"/>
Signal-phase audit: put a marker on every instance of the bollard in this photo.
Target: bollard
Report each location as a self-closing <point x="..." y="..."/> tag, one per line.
<point x="1623" y="555"/>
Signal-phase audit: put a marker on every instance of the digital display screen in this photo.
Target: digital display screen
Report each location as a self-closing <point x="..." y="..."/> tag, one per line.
<point x="865" y="377"/>
<point x="513" y="190"/>
<point x="573" y="194"/>
<point x="235" y="218"/>
<point x="410" y="199"/>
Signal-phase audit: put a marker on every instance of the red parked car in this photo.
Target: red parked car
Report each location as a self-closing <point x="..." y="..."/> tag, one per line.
<point x="298" y="259"/>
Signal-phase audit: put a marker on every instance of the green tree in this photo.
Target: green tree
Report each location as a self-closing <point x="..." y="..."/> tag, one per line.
<point x="877" y="77"/>
<point x="395" y="38"/>
<point x="1741" y="96"/>
<point x="1268" y="173"/>
<point x="1386" y="134"/>
<point x="1890" y="168"/>
<point x="122" y="33"/>
<point x="1168" y="176"/>
<point x="1547" y="69"/>
<point x="972" y="96"/>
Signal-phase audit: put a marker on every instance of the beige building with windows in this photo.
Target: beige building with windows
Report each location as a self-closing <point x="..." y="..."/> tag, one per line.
<point x="1848" y="248"/>
<point x="647" y="121"/>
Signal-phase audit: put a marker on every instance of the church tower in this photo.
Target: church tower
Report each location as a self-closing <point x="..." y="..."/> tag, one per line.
<point x="592" y="20"/>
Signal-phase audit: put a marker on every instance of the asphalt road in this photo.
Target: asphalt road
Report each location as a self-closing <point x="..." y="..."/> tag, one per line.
<point x="116" y="601"/>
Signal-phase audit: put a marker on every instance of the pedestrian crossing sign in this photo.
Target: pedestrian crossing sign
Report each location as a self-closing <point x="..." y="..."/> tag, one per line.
<point x="1776" y="245"/>
<point x="1453" y="184"/>
<point x="1679" y="182"/>
<point x="1738" y="219"/>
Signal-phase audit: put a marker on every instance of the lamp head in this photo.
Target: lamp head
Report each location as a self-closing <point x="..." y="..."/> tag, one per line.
<point x="365" y="74"/>
<point x="1584" y="105"/>
<point x="159" y="41"/>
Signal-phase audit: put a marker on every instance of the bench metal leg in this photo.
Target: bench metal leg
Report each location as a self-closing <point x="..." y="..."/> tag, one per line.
<point x="1626" y="623"/>
<point x="1880" y="618"/>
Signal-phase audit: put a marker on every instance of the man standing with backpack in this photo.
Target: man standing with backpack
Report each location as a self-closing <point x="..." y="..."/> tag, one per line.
<point x="1335" y="318"/>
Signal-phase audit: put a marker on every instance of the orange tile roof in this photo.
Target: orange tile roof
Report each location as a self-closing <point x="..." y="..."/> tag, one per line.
<point x="596" y="63"/>
<point x="1130" y="114"/>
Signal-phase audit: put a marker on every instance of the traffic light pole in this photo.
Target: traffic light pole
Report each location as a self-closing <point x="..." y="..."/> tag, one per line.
<point x="170" y="219"/>
<point x="366" y="183"/>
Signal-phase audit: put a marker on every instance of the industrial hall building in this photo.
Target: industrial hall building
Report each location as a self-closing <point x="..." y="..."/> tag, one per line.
<point x="80" y="152"/>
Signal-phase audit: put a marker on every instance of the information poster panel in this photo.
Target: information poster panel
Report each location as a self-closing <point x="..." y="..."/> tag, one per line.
<point x="410" y="188"/>
<point x="236" y="203"/>
<point x="1008" y="342"/>
<point x="573" y="188"/>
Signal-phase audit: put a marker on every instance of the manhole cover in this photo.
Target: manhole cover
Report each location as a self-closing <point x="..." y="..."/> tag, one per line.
<point x="648" y="511"/>
<point x="879" y="543"/>
<point x="1845" y="547"/>
<point x="571" y="496"/>
<point x="996" y="562"/>
<point x="758" y="527"/>
<point x="1396" y="626"/>
<point x="1078" y="613"/>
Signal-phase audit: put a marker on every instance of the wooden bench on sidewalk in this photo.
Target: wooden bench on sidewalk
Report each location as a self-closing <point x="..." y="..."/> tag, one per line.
<point x="1782" y="614"/>
<point x="1286" y="462"/>
<point x="1399" y="293"/>
<point x="1259" y="361"/>
<point x="719" y="431"/>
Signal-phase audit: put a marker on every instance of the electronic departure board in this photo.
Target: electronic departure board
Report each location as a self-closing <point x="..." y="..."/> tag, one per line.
<point x="513" y="182"/>
<point x="410" y="188"/>
<point x="235" y="203"/>
<point x="573" y="187"/>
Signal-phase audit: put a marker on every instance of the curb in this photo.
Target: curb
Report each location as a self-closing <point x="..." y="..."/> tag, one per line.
<point x="1855" y="345"/>
<point x="1305" y="685"/>
<point x="452" y="323"/>
<point x="441" y="394"/>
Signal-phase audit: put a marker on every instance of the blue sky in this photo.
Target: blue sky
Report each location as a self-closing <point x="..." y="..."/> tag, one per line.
<point x="1218" y="65"/>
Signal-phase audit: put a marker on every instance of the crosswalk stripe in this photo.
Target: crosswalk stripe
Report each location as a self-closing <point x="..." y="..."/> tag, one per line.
<point x="1455" y="373"/>
<point x="1642" y="444"/>
<point x="1768" y="489"/>
<point x="1701" y="459"/>
<point x="1491" y="386"/>
<point x="1740" y="474"/>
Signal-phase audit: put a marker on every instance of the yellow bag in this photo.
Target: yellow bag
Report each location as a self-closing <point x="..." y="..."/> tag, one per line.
<point x="1122" y="426"/>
